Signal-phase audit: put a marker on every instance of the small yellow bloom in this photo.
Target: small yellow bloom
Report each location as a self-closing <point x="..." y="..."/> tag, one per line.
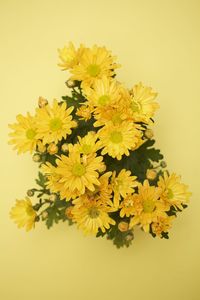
<point x="24" y="135"/>
<point x="91" y="214"/>
<point x="95" y="63"/>
<point x="84" y="112"/>
<point x="123" y="226"/>
<point x="54" y="123"/>
<point x="69" y="56"/>
<point x="23" y="214"/>
<point x="117" y="140"/>
<point x="88" y="144"/>
<point x="161" y="223"/>
<point x="174" y="193"/>
<point x="52" y="148"/>
<point x="122" y="184"/>
<point x="151" y="174"/>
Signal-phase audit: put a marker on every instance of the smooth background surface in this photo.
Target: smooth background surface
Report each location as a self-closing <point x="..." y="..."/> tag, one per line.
<point x="156" y="42"/>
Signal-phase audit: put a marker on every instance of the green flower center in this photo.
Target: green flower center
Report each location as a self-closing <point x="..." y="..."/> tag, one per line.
<point x="78" y="170"/>
<point x="93" y="70"/>
<point x="103" y="100"/>
<point x="30" y="134"/>
<point x="55" y="124"/>
<point x="116" y="137"/>
<point x="93" y="212"/>
<point x="170" y="194"/>
<point x="148" y="205"/>
<point x="86" y="149"/>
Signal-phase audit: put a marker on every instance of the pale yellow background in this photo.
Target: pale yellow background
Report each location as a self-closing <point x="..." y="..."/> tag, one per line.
<point x="157" y="42"/>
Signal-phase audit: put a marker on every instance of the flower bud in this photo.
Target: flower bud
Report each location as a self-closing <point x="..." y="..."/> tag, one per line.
<point x="52" y="149"/>
<point x="36" y="158"/>
<point x="130" y="237"/>
<point x="64" y="147"/>
<point x="68" y="212"/>
<point x="123" y="226"/>
<point x="52" y="197"/>
<point x="30" y="193"/>
<point x="42" y="102"/>
<point x="148" y="133"/>
<point x="40" y="147"/>
<point x="163" y="164"/>
<point x="151" y="174"/>
<point x="44" y="215"/>
<point x="70" y="83"/>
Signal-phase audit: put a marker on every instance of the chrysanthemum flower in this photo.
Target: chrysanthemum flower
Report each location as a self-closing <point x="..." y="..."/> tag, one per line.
<point x="122" y="184"/>
<point x="161" y="224"/>
<point x="24" y="135"/>
<point x="129" y="206"/>
<point x="79" y="172"/>
<point x="117" y="140"/>
<point x="95" y="63"/>
<point x="174" y="193"/>
<point x="91" y="214"/>
<point x="69" y="56"/>
<point x="143" y="106"/>
<point x="23" y="214"/>
<point x="105" y="92"/>
<point x="147" y="198"/>
<point x="88" y="144"/>
<point x="54" y="123"/>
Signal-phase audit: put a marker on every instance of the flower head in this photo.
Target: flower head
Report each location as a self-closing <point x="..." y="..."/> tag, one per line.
<point x="24" y="135"/>
<point x="23" y="214"/>
<point x="54" y="123"/>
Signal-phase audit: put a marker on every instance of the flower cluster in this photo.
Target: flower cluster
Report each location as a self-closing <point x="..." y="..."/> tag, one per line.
<point x="98" y="168"/>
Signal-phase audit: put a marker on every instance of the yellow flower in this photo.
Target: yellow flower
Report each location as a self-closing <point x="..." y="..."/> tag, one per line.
<point x="103" y="191"/>
<point x="94" y="64"/>
<point x="69" y="56"/>
<point x="117" y="140"/>
<point x="84" y="112"/>
<point x="23" y="214"/>
<point x="79" y="172"/>
<point x="130" y="205"/>
<point x="24" y="135"/>
<point x="91" y="214"/>
<point x="88" y="144"/>
<point x="147" y="201"/>
<point x="105" y="92"/>
<point x="122" y="184"/>
<point x="143" y="106"/>
<point x="54" y="123"/>
<point x="161" y="223"/>
<point x="174" y="193"/>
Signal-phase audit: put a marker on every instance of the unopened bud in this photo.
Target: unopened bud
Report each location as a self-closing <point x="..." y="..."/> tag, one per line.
<point x="52" y="149"/>
<point x="123" y="226"/>
<point x="40" y="147"/>
<point x="151" y="174"/>
<point x="149" y="133"/>
<point x="42" y="102"/>
<point x="52" y="197"/>
<point x="163" y="164"/>
<point x="64" y="147"/>
<point x="30" y="193"/>
<point x="36" y="158"/>
<point x="44" y="215"/>
<point x="70" y="83"/>
<point x="130" y="237"/>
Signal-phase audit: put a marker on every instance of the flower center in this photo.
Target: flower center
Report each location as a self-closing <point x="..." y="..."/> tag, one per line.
<point x="55" y="124"/>
<point x="78" y="170"/>
<point x="93" y="212"/>
<point x="93" y="70"/>
<point x="148" y="205"/>
<point x="103" y="100"/>
<point x="170" y="194"/>
<point x="116" y="137"/>
<point x="86" y="149"/>
<point x="30" y="134"/>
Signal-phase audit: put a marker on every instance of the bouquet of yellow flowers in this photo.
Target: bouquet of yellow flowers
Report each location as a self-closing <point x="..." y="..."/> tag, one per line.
<point x="98" y="167"/>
